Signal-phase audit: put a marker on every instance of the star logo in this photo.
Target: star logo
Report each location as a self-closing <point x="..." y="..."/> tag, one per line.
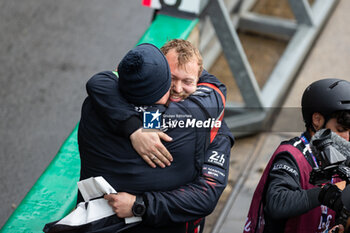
<point x="151" y="120"/>
<point x="155" y="115"/>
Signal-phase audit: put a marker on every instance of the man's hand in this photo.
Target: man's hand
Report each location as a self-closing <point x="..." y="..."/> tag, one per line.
<point x="150" y="148"/>
<point x="337" y="229"/>
<point x="341" y="185"/>
<point x="330" y="196"/>
<point x="121" y="203"/>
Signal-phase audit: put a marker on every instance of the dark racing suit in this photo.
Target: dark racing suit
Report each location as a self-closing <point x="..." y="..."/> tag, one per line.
<point x="289" y="202"/>
<point x="176" y="197"/>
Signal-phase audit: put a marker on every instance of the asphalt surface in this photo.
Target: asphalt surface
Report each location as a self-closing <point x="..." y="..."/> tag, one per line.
<point x="48" y="50"/>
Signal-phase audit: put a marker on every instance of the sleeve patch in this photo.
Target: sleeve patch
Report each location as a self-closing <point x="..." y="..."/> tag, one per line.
<point x="216" y="158"/>
<point x="284" y="167"/>
<point x="214" y="172"/>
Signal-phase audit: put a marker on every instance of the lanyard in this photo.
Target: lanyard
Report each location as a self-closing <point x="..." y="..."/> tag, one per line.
<point x="307" y="145"/>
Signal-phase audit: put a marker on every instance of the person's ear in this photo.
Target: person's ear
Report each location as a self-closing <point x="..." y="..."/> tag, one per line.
<point x="317" y="121"/>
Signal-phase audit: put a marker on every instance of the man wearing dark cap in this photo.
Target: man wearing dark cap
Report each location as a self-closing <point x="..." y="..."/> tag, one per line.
<point x="144" y="79"/>
<point x="165" y="200"/>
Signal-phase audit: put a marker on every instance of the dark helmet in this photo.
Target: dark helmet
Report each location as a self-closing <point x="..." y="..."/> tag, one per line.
<point x="325" y="96"/>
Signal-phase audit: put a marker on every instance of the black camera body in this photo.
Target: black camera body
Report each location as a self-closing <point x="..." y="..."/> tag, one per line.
<point x="331" y="162"/>
<point x="319" y="176"/>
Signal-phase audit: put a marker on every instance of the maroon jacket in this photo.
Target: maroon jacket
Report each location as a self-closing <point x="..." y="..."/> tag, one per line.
<point x="305" y="223"/>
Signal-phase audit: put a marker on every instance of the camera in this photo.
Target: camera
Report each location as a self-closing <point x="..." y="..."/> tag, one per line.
<point x="331" y="163"/>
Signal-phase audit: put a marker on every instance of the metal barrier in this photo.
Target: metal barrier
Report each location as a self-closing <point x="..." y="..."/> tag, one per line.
<point x="258" y="105"/>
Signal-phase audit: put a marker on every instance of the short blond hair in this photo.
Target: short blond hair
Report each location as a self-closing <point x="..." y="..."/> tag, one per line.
<point x="185" y="50"/>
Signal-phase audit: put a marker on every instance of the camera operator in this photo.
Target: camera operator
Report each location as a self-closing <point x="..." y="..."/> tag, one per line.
<point x="284" y="200"/>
